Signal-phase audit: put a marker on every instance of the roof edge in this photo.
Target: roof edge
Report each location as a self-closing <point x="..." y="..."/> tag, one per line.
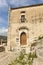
<point x="40" y="4"/>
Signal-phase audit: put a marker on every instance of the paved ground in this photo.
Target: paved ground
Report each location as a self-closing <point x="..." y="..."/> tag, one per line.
<point x="37" y="62"/>
<point x="6" y="58"/>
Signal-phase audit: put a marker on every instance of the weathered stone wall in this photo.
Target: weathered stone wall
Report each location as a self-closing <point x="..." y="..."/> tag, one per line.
<point x="34" y="23"/>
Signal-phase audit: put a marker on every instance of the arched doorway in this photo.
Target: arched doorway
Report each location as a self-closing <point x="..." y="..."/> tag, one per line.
<point x="23" y="38"/>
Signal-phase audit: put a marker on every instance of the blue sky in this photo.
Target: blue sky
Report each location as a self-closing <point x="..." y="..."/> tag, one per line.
<point x="4" y="6"/>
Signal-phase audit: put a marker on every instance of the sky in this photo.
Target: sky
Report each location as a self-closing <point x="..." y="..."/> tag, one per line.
<point x="4" y="6"/>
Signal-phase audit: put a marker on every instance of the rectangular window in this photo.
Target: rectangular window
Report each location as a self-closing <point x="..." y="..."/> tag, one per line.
<point x="22" y="18"/>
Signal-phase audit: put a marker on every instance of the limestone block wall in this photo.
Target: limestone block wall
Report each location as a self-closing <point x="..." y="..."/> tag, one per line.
<point x="34" y="23"/>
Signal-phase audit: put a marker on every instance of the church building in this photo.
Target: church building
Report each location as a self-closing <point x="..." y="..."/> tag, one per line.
<point x="25" y="24"/>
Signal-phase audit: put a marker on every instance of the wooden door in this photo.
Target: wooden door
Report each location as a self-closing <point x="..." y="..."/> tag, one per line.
<point x="23" y="38"/>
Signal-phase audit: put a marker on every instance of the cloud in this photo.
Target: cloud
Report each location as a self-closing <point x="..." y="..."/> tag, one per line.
<point x="3" y="31"/>
<point x="3" y="3"/>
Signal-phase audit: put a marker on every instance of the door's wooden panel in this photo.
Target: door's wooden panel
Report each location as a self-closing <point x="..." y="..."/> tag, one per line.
<point x="23" y="39"/>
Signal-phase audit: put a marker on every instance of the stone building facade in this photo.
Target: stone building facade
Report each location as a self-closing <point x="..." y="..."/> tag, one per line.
<point x="24" y="26"/>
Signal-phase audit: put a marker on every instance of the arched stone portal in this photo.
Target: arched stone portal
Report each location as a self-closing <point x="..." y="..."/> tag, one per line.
<point x="23" y="38"/>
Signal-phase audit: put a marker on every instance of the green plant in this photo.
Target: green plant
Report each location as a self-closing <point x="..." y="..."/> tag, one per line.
<point x="21" y="56"/>
<point x="21" y="60"/>
<point x="10" y="64"/>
